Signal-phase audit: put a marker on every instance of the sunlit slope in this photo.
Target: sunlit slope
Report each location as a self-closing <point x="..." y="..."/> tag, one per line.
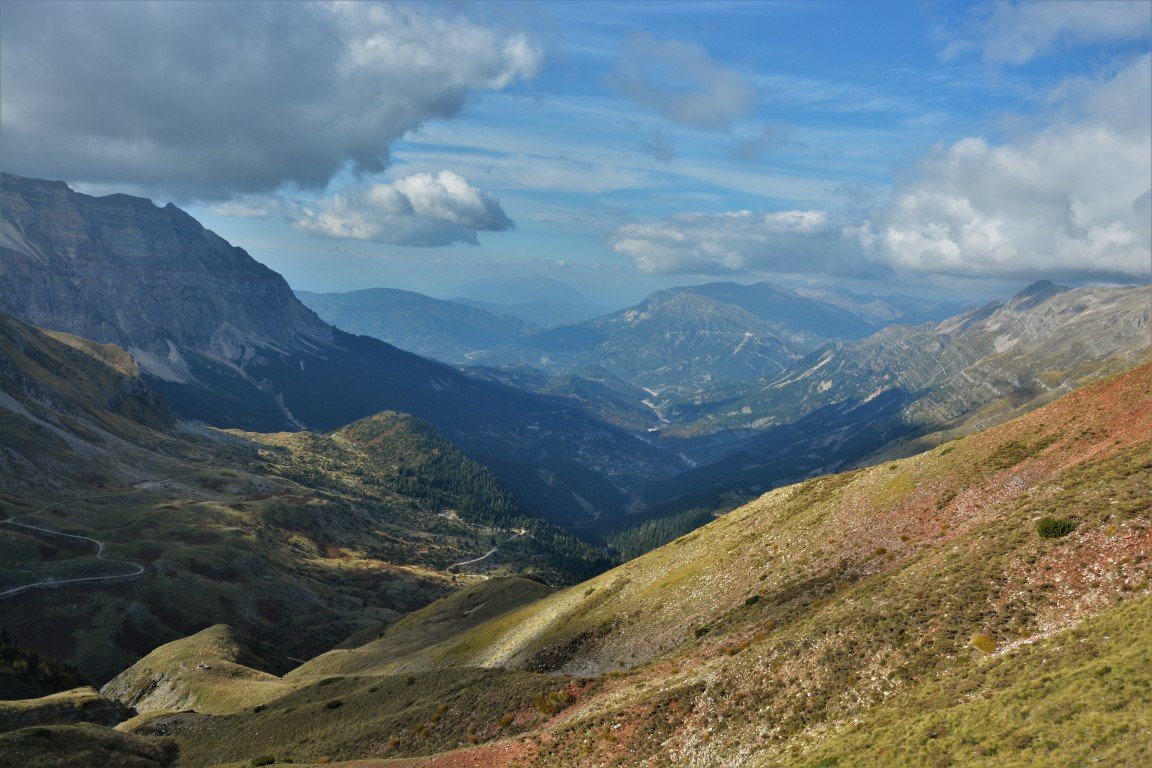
<point x="215" y="670"/>
<point x="1081" y="697"/>
<point x="419" y="632"/>
<point x="800" y="612"/>
<point x="803" y="629"/>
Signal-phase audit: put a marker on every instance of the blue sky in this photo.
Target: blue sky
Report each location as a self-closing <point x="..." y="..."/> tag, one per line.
<point x="934" y="148"/>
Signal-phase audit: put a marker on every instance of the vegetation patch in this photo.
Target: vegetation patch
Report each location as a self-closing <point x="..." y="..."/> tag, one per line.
<point x="1054" y="527"/>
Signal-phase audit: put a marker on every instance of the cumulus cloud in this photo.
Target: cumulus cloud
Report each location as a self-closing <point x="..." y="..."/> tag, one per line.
<point x="682" y="83"/>
<point x="204" y="100"/>
<point x="745" y="241"/>
<point x="1068" y="200"/>
<point x="1018" y="32"/>
<point x="422" y="210"/>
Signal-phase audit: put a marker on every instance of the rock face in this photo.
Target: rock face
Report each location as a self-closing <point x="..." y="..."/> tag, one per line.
<point x="120" y="269"/>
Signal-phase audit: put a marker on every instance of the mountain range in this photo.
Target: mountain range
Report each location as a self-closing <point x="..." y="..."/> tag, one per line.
<point x="225" y="342"/>
<point x="167" y="525"/>
<point x="442" y="330"/>
<point x="535" y="299"/>
<point x="271" y="540"/>
<point x="690" y="400"/>
<point x="982" y="603"/>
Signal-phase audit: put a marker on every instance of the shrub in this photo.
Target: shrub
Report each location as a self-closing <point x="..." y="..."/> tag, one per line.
<point x="983" y="643"/>
<point x="1054" y="527"/>
<point x="752" y="600"/>
<point x="334" y="703"/>
<point x="265" y="760"/>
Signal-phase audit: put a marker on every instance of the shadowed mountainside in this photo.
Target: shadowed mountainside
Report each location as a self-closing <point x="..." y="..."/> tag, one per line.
<point x="125" y="528"/>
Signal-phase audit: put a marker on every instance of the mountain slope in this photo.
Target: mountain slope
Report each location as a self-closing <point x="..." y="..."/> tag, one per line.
<point x="1039" y="341"/>
<point x="123" y="528"/>
<point x="224" y="341"/>
<point x="695" y="344"/>
<point x="929" y="592"/>
<point x="441" y="330"/>
<point x="905" y="389"/>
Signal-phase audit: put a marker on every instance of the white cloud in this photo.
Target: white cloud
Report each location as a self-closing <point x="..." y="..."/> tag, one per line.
<point x="1068" y="200"/>
<point x="744" y="241"/>
<point x="1018" y="32"/>
<point x="421" y="210"/>
<point x="682" y="83"/>
<point x="207" y="100"/>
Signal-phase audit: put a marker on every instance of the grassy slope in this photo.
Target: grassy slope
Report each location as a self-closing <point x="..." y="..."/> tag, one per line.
<point x="761" y="638"/>
<point x="1081" y="697"/>
<point x="425" y="629"/>
<point x="311" y="714"/>
<point x="215" y="670"/>
<point x="72" y="706"/>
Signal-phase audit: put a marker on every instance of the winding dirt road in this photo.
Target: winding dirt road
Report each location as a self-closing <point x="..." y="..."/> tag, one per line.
<point x="137" y="568"/>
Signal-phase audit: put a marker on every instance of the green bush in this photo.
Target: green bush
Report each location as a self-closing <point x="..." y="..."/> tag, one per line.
<point x="334" y="703"/>
<point x="266" y="760"/>
<point x="1054" y="527"/>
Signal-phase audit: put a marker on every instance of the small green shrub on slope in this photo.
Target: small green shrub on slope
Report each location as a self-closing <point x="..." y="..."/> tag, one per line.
<point x="1054" y="527"/>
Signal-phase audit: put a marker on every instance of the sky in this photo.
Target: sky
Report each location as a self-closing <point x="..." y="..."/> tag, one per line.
<point x="958" y="150"/>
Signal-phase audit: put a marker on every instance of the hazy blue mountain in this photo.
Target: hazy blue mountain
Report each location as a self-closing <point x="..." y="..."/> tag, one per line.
<point x="436" y="328"/>
<point x="536" y="299"/>
<point x="222" y="338"/>
<point x="886" y="309"/>
<point x="685" y="345"/>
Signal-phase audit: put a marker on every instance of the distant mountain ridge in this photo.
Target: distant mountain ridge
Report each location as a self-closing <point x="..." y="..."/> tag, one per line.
<point x="698" y="343"/>
<point x="442" y="330"/>
<point x="535" y="299"/>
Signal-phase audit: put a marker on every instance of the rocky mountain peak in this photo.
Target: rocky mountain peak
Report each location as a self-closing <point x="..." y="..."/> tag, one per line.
<point x="152" y="279"/>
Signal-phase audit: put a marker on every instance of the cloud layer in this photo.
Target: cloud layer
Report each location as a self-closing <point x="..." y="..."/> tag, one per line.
<point x="1018" y="32"/>
<point x="1069" y="201"/>
<point x="420" y="210"/>
<point x="745" y="241"/>
<point x="682" y="83"/>
<point x="1072" y="199"/>
<point x="207" y="100"/>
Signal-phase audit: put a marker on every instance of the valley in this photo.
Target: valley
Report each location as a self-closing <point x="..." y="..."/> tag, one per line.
<point x="551" y="384"/>
<point x="918" y="608"/>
